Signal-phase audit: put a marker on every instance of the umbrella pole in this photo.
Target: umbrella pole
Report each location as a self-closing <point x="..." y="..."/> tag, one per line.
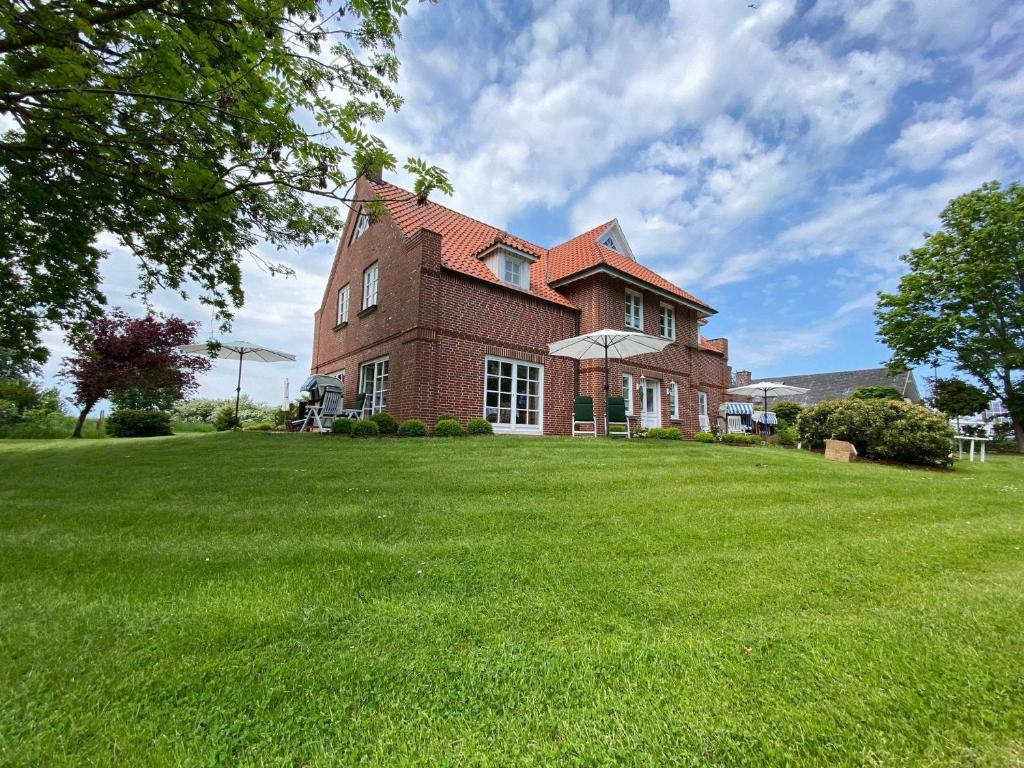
<point x="606" y="389"/>
<point x="238" y="389"/>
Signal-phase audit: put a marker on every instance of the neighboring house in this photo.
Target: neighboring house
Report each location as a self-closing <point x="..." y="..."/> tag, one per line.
<point x="840" y="384"/>
<point x="429" y="311"/>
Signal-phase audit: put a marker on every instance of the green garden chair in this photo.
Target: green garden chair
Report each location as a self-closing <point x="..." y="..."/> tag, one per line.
<point x="357" y="412"/>
<point x="615" y="416"/>
<point x="583" y="416"/>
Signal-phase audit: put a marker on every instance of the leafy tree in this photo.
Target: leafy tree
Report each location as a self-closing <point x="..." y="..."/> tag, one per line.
<point x="128" y="354"/>
<point x="963" y="299"/>
<point x="876" y="393"/>
<point x="956" y="398"/>
<point x="787" y="410"/>
<point x="186" y="131"/>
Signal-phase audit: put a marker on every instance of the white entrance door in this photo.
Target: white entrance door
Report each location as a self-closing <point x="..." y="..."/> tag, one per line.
<point x="650" y="416"/>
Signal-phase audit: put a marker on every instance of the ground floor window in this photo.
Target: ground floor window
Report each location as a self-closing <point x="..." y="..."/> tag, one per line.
<point x="673" y="399"/>
<point x="513" y="395"/>
<point x="373" y="380"/>
<point x="627" y="392"/>
<point x="702" y="404"/>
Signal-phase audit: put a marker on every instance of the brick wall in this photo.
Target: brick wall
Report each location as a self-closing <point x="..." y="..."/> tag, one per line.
<point x="693" y="369"/>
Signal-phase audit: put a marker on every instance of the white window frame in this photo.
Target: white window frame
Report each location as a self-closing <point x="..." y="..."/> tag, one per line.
<point x="702" y="403"/>
<point x="609" y="242"/>
<point x="362" y="224"/>
<point x="627" y="392"/>
<point x="343" y="294"/>
<point x="666" y="312"/>
<point x="521" y="266"/>
<point x="635" y="299"/>
<point x="515" y="428"/>
<point x="379" y="370"/>
<point x="371" y="276"/>
<point x="673" y="400"/>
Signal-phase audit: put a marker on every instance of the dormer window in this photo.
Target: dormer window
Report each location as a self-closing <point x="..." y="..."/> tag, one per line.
<point x="515" y="271"/>
<point x="509" y="264"/>
<point x="362" y="224"/>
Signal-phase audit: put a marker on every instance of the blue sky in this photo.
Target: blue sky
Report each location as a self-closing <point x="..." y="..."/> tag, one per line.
<point x="775" y="161"/>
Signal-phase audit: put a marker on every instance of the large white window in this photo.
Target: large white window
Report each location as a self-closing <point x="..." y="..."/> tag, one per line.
<point x="373" y="380"/>
<point x="514" y="395"/>
<point x="362" y="224"/>
<point x="343" y="305"/>
<point x="627" y="392"/>
<point x="702" y="404"/>
<point x="370" y="286"/>
<point x="634" y="310"/>
<point x="667" y="322"/>
<point x="673" y="400"/>
<point x="515" y="271"/>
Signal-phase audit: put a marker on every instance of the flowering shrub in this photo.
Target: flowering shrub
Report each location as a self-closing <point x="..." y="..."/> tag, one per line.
<point x="880" y="429"/>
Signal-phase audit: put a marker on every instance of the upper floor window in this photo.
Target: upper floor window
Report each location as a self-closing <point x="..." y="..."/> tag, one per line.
<point x="370" y="286"/>
<point x="634" y="310"/>
<point x="362" y="224"/>
<point x="515" y="271"/>
<point x="667" y="322"/>
<point x="627" y="392"/>
<point x="343" y="304"/>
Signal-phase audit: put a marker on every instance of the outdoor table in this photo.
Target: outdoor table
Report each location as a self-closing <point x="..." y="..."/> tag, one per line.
<point x="960" y="443"/>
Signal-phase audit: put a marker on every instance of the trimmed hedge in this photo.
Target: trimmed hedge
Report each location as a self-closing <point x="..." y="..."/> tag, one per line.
<point x="128" y="422"/>
<point x="704" y="437"/>
<point x="880" y="429"/>
<point x="365" y="428"/>
<point x="385" y="422"/>
<point x="412" y="428"/>
<point x="448" y="428"/>
<point x="341" y="426"/>
<point x="665" y="433"/>
<point x="479" y="427"/>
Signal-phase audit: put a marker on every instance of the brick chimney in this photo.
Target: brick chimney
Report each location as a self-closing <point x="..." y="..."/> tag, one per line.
<point x="375" y="173"/>
<point x="742" y="378"/>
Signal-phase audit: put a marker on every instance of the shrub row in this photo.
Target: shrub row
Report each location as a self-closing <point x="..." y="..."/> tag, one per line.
<point x="739" y="438"/>
<point x="385" y="424"/>
<point x="880" y="429"/>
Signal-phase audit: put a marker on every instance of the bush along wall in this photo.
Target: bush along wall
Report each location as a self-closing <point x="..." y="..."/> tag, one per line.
<point x="880" y="429"/>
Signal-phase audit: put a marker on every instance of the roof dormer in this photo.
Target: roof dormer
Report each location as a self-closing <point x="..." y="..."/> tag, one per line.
<point x="613" y="239"/>
<point x="509" y="264"/>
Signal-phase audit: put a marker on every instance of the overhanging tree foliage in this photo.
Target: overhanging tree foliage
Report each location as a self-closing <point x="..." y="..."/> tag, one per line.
<point x="132" y="356"/>
<point x="963" y="300"/>
<point x="188" y="131"/>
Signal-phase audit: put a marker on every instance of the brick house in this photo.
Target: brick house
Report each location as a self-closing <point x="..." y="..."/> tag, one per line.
<point x="429" y="311"/>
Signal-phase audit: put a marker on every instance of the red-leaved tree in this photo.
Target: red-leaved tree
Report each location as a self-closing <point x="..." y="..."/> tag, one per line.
<point x="131" y="353"/>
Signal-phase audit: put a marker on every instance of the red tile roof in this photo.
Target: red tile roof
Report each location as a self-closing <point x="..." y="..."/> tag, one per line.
<point x="584" y="252"/>
<point x="715" y="345"/>
<point x="463" y="239"/>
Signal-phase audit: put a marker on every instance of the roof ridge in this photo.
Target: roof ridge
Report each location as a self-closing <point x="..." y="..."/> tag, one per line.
<point x="412" y="196"/>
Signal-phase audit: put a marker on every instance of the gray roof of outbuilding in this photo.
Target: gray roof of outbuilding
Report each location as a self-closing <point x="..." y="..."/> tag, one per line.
<point x="840" y="384"/>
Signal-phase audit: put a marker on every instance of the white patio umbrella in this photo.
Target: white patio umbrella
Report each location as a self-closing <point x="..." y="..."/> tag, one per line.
<point x="607" y="343"/>
<point x="766" y="389"/>
<point x="240" y="351"/>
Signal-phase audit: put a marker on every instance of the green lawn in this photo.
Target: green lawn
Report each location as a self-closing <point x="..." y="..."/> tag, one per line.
<point x="253" y="599"/>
